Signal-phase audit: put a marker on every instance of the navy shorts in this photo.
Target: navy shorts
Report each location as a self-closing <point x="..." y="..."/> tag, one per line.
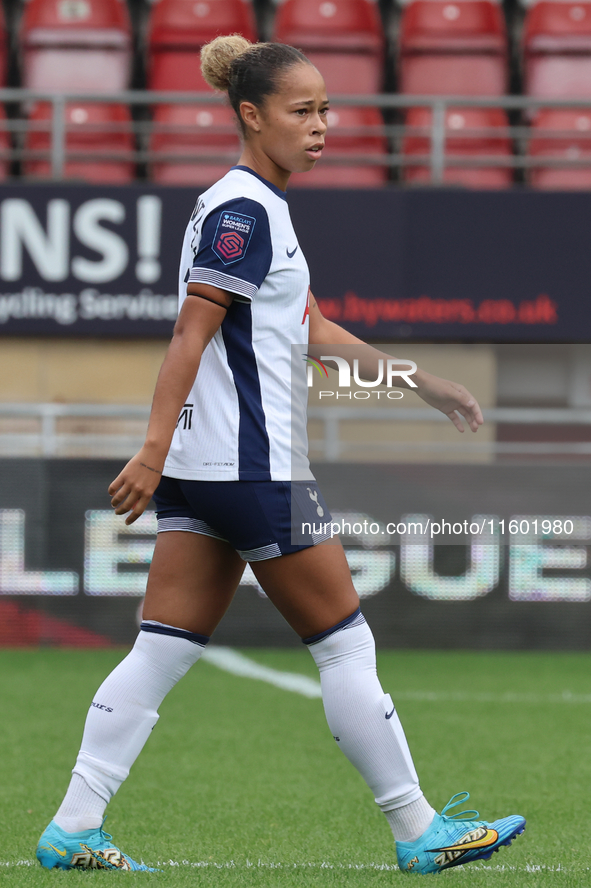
<point x="260" y="519"/>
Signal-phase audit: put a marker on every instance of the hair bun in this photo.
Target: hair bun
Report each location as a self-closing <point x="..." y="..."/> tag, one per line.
<point x="217" y="57"/>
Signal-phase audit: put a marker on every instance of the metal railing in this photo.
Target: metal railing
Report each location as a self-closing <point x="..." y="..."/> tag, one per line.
<point x="436" y="159"/>
<point x="333" y="447"/>
<point x="49" y="439"/>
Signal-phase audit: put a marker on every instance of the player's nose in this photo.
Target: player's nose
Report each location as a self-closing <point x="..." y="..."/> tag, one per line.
<point x="319" y="123"/>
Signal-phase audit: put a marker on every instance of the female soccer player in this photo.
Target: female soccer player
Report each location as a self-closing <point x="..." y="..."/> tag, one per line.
<point x="224" y="490"/>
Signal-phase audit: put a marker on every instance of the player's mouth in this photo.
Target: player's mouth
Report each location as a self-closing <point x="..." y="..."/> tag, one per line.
<point x="315" y="151"/>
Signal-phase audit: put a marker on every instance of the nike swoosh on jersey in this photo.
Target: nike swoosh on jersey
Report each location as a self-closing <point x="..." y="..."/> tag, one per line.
<point x="57" y="850"/>
<point x="390" y="714"/>
<point x="293" y="252"/>
<point x="489" y="838"/>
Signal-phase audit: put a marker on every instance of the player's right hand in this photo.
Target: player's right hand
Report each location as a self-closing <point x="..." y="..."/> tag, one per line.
<point x="452" y="399"/>
<point x="132" y="489"/>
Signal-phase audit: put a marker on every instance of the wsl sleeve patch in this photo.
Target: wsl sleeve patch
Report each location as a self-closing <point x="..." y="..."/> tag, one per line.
<point x="234" y="251"/>
<point x="232" y="236"/>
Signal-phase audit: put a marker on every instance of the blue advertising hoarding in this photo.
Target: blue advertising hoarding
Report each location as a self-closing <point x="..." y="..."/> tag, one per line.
<point x="511" y="266"/>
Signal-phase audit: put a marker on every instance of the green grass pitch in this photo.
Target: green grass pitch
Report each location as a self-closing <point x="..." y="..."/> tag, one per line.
<point x="241" y="783"/>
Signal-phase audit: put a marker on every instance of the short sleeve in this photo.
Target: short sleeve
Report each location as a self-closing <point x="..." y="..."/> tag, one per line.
<point x="235" y="249"/>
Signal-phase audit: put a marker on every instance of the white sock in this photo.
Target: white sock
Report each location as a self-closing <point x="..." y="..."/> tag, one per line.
<point x="364" y="722"/>
<point x="410" y="822"/>
<point x="121" y="718"/>
<point x="81" y="809"/>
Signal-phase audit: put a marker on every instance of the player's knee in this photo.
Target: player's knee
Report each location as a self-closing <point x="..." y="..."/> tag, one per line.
<point x="350" y="641"/>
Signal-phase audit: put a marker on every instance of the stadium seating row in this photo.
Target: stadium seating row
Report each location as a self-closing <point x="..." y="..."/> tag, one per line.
<point x="458" y="47"/>
<point x="478" y="147"/>
<point x="445" y="48"/>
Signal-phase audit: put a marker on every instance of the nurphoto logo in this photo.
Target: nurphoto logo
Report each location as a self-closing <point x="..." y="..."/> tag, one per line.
<point x="389" y="375"/>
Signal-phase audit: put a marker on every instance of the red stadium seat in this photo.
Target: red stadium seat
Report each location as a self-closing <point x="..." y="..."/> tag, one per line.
<point x="179" y="28"/>
<point x="176" y="70"/>
<point x="557" y="49"/>
<point x="94" y="130"/>
<point x="465" y="26"/>
<point x="558" y="27"/>
<point x="349" y="72"/>
<point x="457" y="48"/>
<point x="330" y="24"/>
<point x="76" y="44"/>
<point x="3" y="48"/>
<point x="558" y="76"/>
<point x="573" y="129"/>
<point x="351" y="132"/>
<point x="453" y="75"/>
<point x="471" y="133"/>
<point x="182" y="23"/>
<point x="343" y="38"/>
<point x="197" y="131"/>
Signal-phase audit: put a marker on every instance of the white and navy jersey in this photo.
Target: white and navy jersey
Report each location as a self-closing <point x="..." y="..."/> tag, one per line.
<point x="245" y="418"/>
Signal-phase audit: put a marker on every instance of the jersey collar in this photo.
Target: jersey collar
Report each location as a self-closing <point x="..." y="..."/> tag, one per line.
<point x="266" y="182"/>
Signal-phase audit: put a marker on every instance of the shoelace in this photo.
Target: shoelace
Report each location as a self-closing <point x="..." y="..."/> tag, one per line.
<point x="103" y="832"/>
<point x="105" y="836"/>
<point x="99" y="855"/>
<point x="456" y="800"/>
<point x="102" y="860"/>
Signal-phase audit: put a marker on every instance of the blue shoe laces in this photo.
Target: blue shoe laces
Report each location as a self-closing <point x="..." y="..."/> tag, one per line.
<point x="103" y="832"/>
<point x="98" y="855"/>
<point x="456" y="800"/>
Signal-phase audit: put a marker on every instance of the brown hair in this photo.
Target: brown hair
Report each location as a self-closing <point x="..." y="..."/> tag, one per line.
<point x="248" y="72"/>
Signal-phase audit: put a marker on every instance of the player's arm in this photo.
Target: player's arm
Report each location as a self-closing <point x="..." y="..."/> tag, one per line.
<point x="449" y="397"/>
<point x="201" y="314"/>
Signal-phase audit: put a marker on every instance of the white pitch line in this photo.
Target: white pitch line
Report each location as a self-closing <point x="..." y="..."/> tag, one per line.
<point x="232" y="661"/>
<point x="18" y="863"/>
<point x="238" y="664"/>
<point x="260" y="864"/>
<point x="324" y="864"/>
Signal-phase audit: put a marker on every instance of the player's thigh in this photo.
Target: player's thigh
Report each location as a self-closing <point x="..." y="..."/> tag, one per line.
<point x="311" y="588"/>
<point x="192" y="581"/>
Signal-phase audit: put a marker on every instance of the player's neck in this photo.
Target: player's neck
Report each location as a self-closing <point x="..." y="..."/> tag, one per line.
<point x="265" y="167"/>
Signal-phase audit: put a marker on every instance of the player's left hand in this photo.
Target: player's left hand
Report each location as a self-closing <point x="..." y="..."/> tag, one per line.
<point x="451" y="398"/>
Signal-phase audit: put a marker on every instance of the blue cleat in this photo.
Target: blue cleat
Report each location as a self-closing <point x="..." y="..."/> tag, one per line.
<point x="456" y="839"/>
<point x="90" y="849"/>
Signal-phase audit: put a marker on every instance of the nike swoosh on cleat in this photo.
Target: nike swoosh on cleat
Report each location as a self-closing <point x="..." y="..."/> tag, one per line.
<point x="390" y="714"/>
<point x="489" y="838"/>
<point x="57" y="850"/>
<point x="293" y="252"/>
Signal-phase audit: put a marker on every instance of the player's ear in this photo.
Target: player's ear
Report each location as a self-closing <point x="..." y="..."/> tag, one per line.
<point x="251" y="116"/>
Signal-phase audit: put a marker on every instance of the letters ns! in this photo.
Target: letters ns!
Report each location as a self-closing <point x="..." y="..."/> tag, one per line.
<point x="48" y="242"/>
